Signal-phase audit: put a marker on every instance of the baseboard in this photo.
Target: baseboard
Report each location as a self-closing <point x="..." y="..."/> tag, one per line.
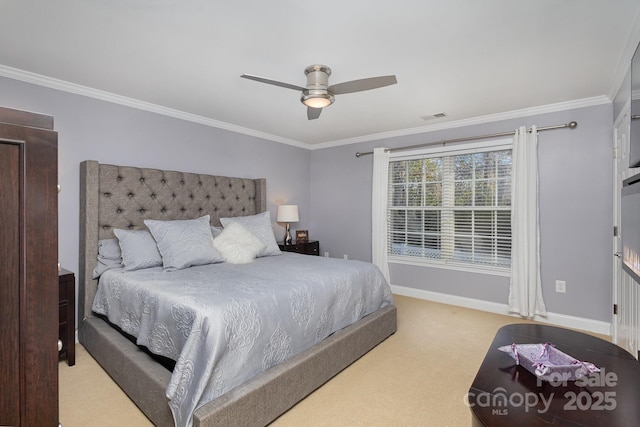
<point x="556" y="319"/>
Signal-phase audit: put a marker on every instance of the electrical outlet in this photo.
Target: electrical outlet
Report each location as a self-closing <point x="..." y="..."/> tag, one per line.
<point x="561" y="286"/>
<point x="345" y="256"/>
<point x="326" y="254"/>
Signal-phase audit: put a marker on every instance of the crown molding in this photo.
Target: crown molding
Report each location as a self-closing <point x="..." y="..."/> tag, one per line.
<point x="49" y="82"/>
<point x="625" y="60"/>
<point x="550" y="108"/>
<point x="52" y="83"/>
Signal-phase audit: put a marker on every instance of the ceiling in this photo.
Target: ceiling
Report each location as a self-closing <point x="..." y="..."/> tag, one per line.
<point x="466" y="58"/>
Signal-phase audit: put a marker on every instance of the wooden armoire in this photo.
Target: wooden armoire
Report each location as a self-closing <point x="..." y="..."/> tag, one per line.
<point x="28" y="269"/>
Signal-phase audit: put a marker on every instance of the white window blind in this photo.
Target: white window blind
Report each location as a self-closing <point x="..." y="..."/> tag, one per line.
<point x="452" y="207"/>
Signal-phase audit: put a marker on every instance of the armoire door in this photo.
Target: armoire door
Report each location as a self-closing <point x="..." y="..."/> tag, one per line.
<point x="9" y="275"/>
<point x="28" y="269"/>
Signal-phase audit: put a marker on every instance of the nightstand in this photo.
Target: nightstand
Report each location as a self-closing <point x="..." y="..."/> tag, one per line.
<point x="312" y="247"/>
<point x="67" y="315"/>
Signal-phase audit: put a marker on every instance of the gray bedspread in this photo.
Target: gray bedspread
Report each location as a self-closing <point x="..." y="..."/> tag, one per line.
<point x="225" y="323"/>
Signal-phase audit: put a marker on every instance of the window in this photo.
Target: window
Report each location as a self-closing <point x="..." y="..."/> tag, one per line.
<point x="452" y="207"/>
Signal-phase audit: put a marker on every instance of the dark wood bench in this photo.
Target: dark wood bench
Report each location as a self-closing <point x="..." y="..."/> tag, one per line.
<point x="504" y="394"/>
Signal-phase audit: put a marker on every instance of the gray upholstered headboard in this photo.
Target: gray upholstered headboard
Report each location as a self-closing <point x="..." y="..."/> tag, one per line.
<point x="123" y="197"/>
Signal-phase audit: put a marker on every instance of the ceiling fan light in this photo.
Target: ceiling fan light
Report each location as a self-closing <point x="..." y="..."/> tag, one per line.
<point x="317" y="100"/>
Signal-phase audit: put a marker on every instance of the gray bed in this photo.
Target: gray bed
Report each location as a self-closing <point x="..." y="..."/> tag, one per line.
<point x="123" y="197"/>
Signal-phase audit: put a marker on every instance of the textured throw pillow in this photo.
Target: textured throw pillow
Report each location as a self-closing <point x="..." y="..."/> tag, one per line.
<point x="260" y="226"/>
<point x="139" y="250"/>
<point x="183" y="243"/>
<point x="109" y="248"/>
<point x="237" y="245"/>
<point x="215" y="231"/>
<point x="109" y="256"/>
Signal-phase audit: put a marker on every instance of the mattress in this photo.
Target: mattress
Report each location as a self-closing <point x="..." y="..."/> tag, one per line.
<point x="225" y="323"/>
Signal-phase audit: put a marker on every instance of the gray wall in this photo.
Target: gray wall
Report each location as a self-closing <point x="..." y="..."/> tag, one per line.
<point x="623" y="96"/>
<point x="576" y="212"/>
<point x="333" y="188"/>
<point x="110" y="133"/>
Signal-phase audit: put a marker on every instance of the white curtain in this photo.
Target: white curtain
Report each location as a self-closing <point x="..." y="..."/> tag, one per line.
<point x="379" y="210"/>
<point x="525" y="293"/>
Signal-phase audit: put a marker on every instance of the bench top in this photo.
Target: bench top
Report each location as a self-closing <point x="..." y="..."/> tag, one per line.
<point x="505" y="394"/>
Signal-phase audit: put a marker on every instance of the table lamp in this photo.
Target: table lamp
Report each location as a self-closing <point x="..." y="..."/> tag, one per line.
<point x="287" y="214"/>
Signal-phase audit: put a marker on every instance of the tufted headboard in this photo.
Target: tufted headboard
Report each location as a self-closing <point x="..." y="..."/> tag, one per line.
<point x="123" y="197"/>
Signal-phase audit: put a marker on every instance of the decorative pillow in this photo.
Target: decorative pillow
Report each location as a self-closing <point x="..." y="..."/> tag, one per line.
<point x="139" y="250"/>
<point x="109" y="248"/>
<point x="260" y="226"/>
<point x="215" y="231"/>
<point x="184" y="242"/>
<point x="109" y="256"/>
<point x="238" y="245"/>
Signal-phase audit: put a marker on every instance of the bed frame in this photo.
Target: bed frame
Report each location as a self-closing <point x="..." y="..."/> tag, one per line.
<point x="123" y="197"/>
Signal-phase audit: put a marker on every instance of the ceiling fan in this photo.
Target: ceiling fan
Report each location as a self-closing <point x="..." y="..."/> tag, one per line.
<point x="318" y="94"/>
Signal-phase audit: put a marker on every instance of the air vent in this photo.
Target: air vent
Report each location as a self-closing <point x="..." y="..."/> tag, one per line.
<point x="434" y="116"/>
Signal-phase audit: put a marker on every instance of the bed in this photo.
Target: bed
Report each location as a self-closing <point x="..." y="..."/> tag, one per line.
<point x="120" y="197"/>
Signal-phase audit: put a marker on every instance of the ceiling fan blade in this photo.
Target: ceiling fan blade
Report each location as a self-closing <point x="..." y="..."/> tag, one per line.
<point x="272" y="82"/>
<point x="313" y="113"/>
<point x="363" y="84"/>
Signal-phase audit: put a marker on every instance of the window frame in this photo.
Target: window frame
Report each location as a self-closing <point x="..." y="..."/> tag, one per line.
<point x="449" y="150"/>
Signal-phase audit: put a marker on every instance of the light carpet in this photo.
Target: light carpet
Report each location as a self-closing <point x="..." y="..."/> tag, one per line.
<point x="417" y="377"/>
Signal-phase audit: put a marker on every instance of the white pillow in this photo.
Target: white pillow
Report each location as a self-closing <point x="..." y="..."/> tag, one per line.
<point x="260" y="226"/>
<point x="215" y="231"/>
<point x="109" y="249"/>
<point x="237" y="245"/>
<point x="139" y="250"/>
<point x="183" y="243"/>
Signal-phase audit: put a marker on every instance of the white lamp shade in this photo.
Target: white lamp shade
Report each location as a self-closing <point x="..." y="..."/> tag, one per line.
<point x="287" y="213"/>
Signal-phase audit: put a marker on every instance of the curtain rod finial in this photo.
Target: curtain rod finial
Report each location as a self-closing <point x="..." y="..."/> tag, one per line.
<point x="358" y="154"/>
<point x="573" y="125"/>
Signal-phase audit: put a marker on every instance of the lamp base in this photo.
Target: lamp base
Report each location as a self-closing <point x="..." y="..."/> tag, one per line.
<point x="287" y="236"/>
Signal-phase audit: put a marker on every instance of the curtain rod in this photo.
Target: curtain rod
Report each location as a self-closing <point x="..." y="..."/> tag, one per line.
<point x="570" y="125"/>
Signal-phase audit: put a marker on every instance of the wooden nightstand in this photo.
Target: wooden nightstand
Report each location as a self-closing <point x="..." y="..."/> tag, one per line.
<point x="67" y="315"/>
<point x="312" y="247"/>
